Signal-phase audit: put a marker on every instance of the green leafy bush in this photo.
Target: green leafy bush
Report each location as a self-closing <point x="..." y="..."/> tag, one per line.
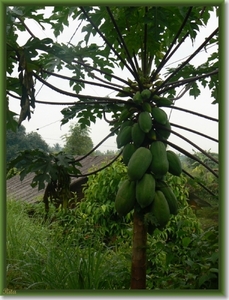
<point x="188" y="262"/>
<point x="183" y="256"/>
<point x="98" y="206"/>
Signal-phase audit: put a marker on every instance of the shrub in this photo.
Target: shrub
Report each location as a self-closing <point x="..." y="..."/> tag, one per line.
<point x="98" y="206"/>
<point x="183" y="256"/>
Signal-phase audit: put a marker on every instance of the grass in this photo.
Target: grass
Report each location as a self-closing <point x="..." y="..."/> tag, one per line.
<point x="59" y="255"/>
<point x="37" y="260"/>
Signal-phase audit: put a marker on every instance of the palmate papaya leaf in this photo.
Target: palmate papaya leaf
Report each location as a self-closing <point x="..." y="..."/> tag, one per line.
<point x="40" y="180"/>
<point x="86" y="116"/>
<point x="46" y="166"/>
<point x="60" y="17"/>
<point x="70" y="112"/>
<point x="64" y="160"/>
<point x="86" y="113"/>
<point x="35" y="43"/>
<point x="194" y="90"/>
<point x="50" y="62"/>
<point x="77" y="87"/>
<point x="13" y="84"/>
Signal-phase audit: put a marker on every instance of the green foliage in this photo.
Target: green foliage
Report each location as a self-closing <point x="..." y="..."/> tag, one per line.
<point x="46" y="166"/>
<point x="204" y="177"/>
<point x="11" y="173"/>
<point x="183" y="256"/>
<point x="39" y="258"/>
<point x="192" y="163"/>
<point x="99" y="203"/>
<point x="188" y="260"/>
<point x="55" y="148"/>
<point x="179" y="188"/>
<point x="77" y="141"/>
<point x="20" y="140"/>
<point x="115" y="29"/>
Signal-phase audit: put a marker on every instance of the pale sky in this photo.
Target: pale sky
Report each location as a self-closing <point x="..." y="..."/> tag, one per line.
<point x="47" y="117"/>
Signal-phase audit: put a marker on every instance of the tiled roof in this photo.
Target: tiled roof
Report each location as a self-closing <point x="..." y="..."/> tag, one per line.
<point x="22" y="190"/>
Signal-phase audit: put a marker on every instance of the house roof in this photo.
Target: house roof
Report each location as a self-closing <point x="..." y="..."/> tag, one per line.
<point x="22" y="190"/>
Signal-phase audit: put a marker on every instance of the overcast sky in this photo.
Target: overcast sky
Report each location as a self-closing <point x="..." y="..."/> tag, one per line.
<point x="46" y="118"/>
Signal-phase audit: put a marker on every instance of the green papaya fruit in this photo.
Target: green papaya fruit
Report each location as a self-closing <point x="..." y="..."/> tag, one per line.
<point x="124" y="136"/>
<point x="159" y="115"/>
<point x="175" y="167"/>
<point x="126" y="123"/>
<point x="160" y="209"/>
<point x="137" y="98"/>
<point x="139" y="163"/>
<point x="145" y="121"/>
<point x="125" y="197"/>
<point x="163" y="131"/>
<point x="161" y="101"/>
<point x="128" y="151"/>
<point x="169" y="196"/>
<point x="146" y="107"/>
<point x="125" y="114"/>
<point x="146" y="94"/>
<point x="159" y="164"/>
<point x="137" y="134"/>
<point x="145" y="190"/>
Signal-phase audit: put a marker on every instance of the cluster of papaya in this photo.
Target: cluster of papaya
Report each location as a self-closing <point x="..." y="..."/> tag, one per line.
<point x="143" y="133"/>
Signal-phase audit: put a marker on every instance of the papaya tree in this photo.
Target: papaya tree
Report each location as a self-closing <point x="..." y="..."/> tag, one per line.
<point x="138" y="41"/>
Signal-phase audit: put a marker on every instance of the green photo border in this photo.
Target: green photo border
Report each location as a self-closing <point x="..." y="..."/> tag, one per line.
<point x="222" y="145"/>
<point x="2" y="152"/>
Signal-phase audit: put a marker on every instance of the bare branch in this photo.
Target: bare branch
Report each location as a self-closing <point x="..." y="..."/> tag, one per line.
<point x="86" y="66"/>
<point x="107" y="42"/>
<point x="193" y="131"/>
<point x="172" y="85"/>
<point x="110" y="86"/>
<point x="99" y="144"/>
<point x="26" y="27"/>
<point x="188" y="141"/>
<point x="103" y="101"/>
<point x="166" y="58"/>
<point x="194" y="113"/>
<point x="186" y="61"/>
<point x="100" y="169"/>
<point x="76" y="95"/>
<point x="195" y="145"/>
<point x="123" y="44"/>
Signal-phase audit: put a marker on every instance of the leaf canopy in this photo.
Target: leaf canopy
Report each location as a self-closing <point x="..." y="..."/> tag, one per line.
<point x="139" y="41"/>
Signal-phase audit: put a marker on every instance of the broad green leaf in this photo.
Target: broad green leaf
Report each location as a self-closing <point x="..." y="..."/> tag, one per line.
<point x="186" y="241"/>
<point x="194" y="90"/>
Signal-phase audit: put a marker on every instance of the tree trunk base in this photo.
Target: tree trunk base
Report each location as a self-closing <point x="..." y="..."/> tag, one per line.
<point x="138" y="267"/>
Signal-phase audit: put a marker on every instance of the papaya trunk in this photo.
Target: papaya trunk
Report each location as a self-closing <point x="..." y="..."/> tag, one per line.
<point x="138" y="267"/>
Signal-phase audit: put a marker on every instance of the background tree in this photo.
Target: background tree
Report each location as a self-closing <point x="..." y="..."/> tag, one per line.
<point x="55" y="148"/>
<point x="15" y="142"/>
<point x="192" y="163"/>
<point x="35" y="141"/>
<point x="20" y="140"/>
<point x="78" y="141"/>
